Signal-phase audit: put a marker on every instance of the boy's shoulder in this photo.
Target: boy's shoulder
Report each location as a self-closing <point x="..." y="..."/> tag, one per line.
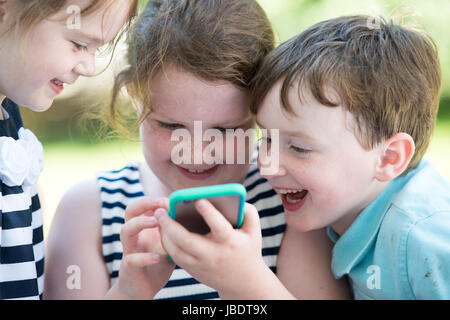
<point x="424" y="193"/>
<point x="422" y="202"/>
<point x="415" y="233"/>
<point x="402" y="238"/>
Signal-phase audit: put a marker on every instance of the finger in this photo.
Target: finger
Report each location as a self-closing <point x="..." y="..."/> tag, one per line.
<point x="142" y="259"/>
<point x="219" y="225"/>
<point x="138" y="207"/>
<point x="130" y="230"/>
<point x="163" y="203"/>
<point x="146" y="206"/>
<point x="251" y="223"/>
<point x="176" y="238"/>
<point x="177" y="254"/>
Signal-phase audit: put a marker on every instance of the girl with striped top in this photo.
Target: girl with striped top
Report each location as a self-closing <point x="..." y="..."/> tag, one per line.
<point x="39" y="53"/>
<point x="190" y="62"/>
<point x="120" y="188"/>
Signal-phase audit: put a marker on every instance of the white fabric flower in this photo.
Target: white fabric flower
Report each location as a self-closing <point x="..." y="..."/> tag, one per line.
<point x="36" y="152"/>
<point x="21" y="161"/>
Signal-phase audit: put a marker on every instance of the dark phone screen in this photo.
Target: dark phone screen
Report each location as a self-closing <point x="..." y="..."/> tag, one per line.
<point x="190" y="218"/>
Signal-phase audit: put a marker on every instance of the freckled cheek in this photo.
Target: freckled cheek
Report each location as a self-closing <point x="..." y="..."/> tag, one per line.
<point x="156" y="145"/>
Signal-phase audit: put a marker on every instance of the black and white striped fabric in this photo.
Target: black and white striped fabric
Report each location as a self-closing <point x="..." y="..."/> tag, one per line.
<point x="21" y="232"/>
<point x="121" y="188"/>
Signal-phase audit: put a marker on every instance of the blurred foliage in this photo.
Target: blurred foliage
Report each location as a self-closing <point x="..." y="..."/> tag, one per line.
<point x="289" y="17"/>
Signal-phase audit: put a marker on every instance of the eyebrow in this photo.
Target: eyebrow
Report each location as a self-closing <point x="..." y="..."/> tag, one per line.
<point x="232" y="123"/>
<point x="298" y="134"/>
<point x="235" y="122"/>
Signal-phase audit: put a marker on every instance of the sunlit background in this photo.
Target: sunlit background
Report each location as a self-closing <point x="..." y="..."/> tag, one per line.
<point x="74" y="149"/>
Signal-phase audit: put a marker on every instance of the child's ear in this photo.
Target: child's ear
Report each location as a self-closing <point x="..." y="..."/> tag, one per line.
<point x="395" y="155"/>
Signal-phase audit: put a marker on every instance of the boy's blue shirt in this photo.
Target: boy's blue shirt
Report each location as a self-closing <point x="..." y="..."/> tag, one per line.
<point x="399" y="246"/>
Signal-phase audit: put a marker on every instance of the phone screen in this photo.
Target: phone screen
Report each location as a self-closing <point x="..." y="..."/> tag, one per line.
<point x="190" y="218"/>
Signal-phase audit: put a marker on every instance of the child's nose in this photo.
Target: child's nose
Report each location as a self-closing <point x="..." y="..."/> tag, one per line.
<point x="86" y="67"/>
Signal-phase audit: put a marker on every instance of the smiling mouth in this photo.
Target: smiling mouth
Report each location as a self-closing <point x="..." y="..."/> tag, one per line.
<point x="196" y="171"/>
<point x="198" y="174"/>
<point x="57" y="85"/>
<point x="58" y="82"/>
<point x="292" y="196"/>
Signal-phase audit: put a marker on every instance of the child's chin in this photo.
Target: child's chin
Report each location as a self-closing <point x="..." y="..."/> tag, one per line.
<point x="37" y="105"/>
<point x="298" y="223"/>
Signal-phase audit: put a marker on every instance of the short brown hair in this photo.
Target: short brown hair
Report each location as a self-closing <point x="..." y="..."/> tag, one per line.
<point x="213" y="39"/>
<point x="386" y="75"/>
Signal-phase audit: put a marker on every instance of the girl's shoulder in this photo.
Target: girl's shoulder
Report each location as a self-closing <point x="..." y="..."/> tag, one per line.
<point x="81" y="201"/>
<point x="12" y="122"/>
<point x="119" y="188"/>
<point x="18" y="145"/>
<point x="126" y="176"/>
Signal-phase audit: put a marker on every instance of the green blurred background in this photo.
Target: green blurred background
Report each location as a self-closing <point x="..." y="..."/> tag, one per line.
<point x="76" y="147"/>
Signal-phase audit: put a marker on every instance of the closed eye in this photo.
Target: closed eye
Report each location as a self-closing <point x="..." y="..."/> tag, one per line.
<point x="299" y="150"/>
<point x="170" y="126"/>
<point x="224" y="130"/>
<point x="79" y="46"/>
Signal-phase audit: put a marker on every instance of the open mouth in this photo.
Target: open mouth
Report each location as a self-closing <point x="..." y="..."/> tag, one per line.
<point x="57" y="85"/>
<point x="293" y="199"/>
<point x="198" y="174"/>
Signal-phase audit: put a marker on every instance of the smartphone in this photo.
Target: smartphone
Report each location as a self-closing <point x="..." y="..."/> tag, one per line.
<point x="229" y="199"/>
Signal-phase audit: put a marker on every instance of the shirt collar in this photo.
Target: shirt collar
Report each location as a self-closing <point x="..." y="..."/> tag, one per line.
<point x="359" y="238"/>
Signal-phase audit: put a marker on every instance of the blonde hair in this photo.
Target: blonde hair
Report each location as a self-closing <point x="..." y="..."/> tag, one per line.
<point x="28" y="13"/>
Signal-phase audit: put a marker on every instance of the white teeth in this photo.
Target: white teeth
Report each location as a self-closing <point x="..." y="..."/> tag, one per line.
<point x="58" y="82"/>
<point x="289" y="200"/>
<point x="196" y="171"/>
<point x="285" y="191"/>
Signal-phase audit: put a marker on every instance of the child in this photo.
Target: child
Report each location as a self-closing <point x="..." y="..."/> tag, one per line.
<point x="39" y="53"/>
<point x="189" y="61"/>
<point x="356" y="106"/>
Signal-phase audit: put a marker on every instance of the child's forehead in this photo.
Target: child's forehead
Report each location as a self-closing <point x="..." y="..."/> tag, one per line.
<point x="296" y="95"/>
<point x="307" y="113"/>
<point x="72" y="7"/>
<point x="99" y="21"/>
<point x="182" y="96"/>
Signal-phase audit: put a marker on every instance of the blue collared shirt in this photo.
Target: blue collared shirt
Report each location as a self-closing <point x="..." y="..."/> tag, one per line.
<point x="399" y="245"/>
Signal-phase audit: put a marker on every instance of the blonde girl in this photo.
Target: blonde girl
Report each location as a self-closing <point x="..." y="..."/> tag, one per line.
<point x="44" y="46"/>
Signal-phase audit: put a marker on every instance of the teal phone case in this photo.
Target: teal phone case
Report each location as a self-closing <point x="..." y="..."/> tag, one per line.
<point x="209" y="192"/>
<point x="181" y="195"/>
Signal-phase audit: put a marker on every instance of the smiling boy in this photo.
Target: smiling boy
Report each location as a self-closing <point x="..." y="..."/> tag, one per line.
<point x="356" y="107"/>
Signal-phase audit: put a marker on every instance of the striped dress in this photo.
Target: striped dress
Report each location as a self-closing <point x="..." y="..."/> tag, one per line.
<point x="121" y="188"/>
<point x="21" y="233"/>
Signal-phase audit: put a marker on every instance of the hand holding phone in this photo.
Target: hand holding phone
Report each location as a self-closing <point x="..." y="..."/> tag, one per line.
<point x="224" y="258"/>
<point x="229" y="199"/>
